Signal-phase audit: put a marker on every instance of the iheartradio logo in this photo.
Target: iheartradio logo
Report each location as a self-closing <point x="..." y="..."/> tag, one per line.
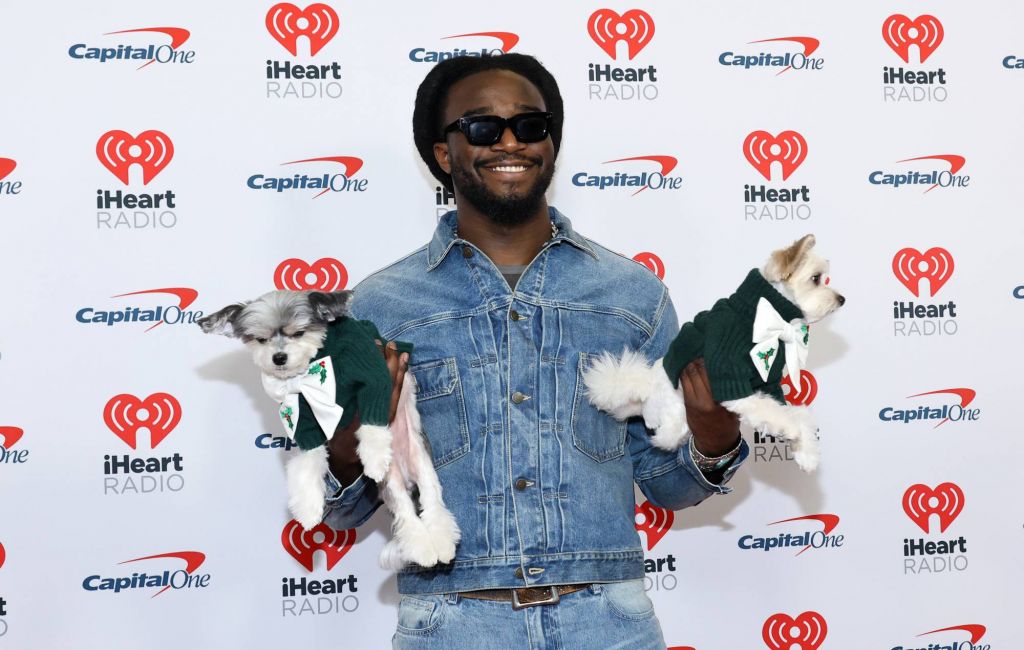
<point x="653" y="262"/>
<point x="3" y="556"/>
<point x="7" y="166"/>
<point x="118" y="151"/>
<point x="607" y="28"/>
<point x="302" y="545"/>
<point x="9" y="436"/>
<point x="655" y="522"/>
<point x="805" y="394"/>
<point x="788" y="148"/>
<point x="934" y="265"/>
<point x="325" y="274"/>
<point x="125" y="414"/>
<point x="900" y="32"/>
<point x="317" y="22"/>
<point x="920" y="502"/>
<point x="806" y="632"/>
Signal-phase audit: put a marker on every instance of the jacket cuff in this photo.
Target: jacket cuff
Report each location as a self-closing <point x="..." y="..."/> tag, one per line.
<point x="726" y="473"/>
<point x="338" y="496"/>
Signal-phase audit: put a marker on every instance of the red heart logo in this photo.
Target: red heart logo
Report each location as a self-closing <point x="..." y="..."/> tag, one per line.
<point x="301" y="544"/>
<point x="924" y="31"/>
<point x="153" y="151"/>
<point x="807" y="631"/>
<point x="655" y="522"/>
<point x="920" y="502"/>
<point x="328" y="274"/>
<point x="607" y="28"/>
<point x="761" y="149"/>
<point x="317" y="22"/>
<point x="163" y="412"/>
<point x="805" y="394"/>
<point x="653" y="262"/>
<point x="6" y="167"/>
<point x="910" y="265"/>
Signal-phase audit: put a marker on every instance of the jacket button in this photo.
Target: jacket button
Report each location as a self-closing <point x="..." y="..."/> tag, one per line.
<point x="519" y="398"/>
<point x="514" y="315"/>
<point x="522" y="484"/>
<point x="519" y="573"/>
<point x="467" y="252"/>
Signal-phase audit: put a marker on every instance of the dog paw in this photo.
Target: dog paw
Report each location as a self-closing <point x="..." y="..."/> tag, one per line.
<point x="374" y="451"/>
<point x="444" y="534"/>
<point x="309" y="513"/>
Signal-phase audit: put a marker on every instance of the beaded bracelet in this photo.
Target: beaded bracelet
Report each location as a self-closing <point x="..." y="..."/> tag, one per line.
<point x="708" y="464"/>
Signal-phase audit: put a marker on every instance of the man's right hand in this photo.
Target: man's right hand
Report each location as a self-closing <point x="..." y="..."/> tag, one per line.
<point x="341" y="449"/>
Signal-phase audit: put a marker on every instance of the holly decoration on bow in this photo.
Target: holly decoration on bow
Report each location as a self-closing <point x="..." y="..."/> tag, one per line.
<point x="319" y="369"/>
<point x="766" y="358"/>
<point x="286" y="415"/>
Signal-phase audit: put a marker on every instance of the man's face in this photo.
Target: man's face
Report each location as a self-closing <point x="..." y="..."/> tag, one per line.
<point x="505" y="181"/>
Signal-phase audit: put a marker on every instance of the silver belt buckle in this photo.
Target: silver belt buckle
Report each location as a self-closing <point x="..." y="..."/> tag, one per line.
<point x="550" y="600"/>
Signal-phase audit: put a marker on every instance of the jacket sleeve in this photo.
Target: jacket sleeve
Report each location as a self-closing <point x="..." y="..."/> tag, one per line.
<point x="352" y="506"/>
<point x="670" y="479"/>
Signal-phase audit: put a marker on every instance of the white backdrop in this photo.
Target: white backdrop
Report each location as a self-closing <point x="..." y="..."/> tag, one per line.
<point x="214" y="510"/>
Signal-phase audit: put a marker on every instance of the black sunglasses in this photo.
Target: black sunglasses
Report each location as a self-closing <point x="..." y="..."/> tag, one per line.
<point x="485" y="130"/>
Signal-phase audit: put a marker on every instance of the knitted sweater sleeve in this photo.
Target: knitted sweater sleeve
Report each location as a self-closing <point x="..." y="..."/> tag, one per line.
<point x="686" y="346"/>
<point x="363" y="370"/>
<point x="728" y="365"/>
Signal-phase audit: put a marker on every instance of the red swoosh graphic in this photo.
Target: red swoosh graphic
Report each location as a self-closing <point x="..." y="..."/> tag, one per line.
<point x="508" y="39"/>
<point x="185" y="297"/>
<point x="668" y="163"/>
<point x="808" y="43"/>
<point x="966" y="396"/>
<point x="954" y="161"/>
<point x="11" y="435"/>
<point x="192" y="559"/>
<point x="7" y="166"/>
<point x="827" y="520"/>
<point x="976" y="631"/>
<point x="178" y="36"/>
<point x="351" y="164"/>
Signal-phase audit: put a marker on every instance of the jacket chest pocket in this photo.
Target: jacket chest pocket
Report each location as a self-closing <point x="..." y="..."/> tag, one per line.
<point x="595" y="433"/>
<point x="442" y="409"/>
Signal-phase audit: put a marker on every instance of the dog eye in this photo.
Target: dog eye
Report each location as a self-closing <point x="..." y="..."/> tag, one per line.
<point x="816" y="279"/>
<point x="261" y="341"/>
<point x="298" y="335"/>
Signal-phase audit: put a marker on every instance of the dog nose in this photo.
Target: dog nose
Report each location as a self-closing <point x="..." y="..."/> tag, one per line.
<point x="842" y="300"/>
<point x="280" y="358"/>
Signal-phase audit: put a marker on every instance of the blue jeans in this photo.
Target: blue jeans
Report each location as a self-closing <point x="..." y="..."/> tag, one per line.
<point x="610" y="616"/>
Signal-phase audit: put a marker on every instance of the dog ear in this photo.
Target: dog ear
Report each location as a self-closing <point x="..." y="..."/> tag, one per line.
<point x="783" y="262"/>
<point x="330" y="306"/>
<point x="223" y="321"/>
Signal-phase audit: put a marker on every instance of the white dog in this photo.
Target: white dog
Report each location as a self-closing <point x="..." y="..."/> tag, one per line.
<point x="741" y="339"/>
<point x="311" y="355"/>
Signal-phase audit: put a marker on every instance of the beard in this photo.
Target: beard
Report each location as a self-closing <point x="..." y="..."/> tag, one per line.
<point x="510" y="209"/>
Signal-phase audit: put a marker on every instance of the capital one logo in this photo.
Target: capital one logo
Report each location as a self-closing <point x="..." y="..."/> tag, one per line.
<point x="900" y="32"/>
<point x="325" y="274"/>
<point x="327" y="182"/>
<point x="788" y="148"/>
<point x="653" y="262"/>
<point x="7" y="166"/>
<point x="302" y="544"/>
<point x="806" y="632"/>
<point x="317" y="22"/>
<point x="653" y="521"/>
<point x="935" y="265"/>
<point x="118" y="151"/>
<point x="920" y="502"/>
<point x="607" y="28"/>
<point x="125" y="414"/>
<point x="801" y="395"/>
<point x="976" y="632"/>
<point x="9" y="436"/>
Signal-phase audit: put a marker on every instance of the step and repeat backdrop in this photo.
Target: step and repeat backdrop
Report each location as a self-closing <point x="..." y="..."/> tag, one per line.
<point x="159" y="162"/>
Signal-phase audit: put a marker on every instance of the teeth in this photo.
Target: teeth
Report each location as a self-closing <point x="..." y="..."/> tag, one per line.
<point x="510" y="168"/>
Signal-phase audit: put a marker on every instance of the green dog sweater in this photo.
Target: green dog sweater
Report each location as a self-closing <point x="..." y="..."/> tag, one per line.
<point x="723" y="336"/>
<point x="363" y="383"/>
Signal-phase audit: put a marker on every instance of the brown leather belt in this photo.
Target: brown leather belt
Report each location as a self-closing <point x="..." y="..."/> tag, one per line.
<point x="527" y="596"/>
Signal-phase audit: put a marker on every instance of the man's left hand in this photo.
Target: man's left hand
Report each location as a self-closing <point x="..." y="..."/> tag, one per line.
<point x="715" y="430"/>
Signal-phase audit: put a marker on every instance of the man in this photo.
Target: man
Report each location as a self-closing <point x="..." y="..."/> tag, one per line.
<point x="506" y="306"/>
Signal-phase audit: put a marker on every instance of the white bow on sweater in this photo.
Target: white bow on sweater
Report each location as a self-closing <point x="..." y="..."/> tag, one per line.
<point x="769" y="331"/>
<point x="318" y="386"/>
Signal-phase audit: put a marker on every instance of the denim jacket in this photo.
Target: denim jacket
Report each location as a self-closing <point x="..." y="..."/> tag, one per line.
<point x="540" y="482"/>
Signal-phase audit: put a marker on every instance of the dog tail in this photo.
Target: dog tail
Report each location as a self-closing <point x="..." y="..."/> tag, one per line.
<point x="619" y="386"/>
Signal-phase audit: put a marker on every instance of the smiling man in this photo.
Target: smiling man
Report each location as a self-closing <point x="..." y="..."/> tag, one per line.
<point x="507" y="306"/>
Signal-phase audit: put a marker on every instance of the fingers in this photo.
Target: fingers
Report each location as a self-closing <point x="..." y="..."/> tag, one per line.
<point x="696" y="387"/>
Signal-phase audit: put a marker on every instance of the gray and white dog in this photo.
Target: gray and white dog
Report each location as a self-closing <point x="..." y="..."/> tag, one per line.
<point x="286" y="333"/>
